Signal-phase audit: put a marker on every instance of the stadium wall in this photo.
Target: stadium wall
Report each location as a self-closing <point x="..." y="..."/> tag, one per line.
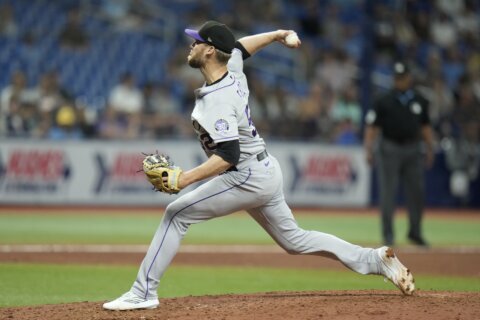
<point x="96" y="172"/>
<point x="99" y="172"/>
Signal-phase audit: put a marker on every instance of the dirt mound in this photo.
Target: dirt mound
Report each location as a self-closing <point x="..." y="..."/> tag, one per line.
<point x="277" y="305"/>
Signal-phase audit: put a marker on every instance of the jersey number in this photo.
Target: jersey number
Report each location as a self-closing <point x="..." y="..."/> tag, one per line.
<point x="207" y="142"/>
<point x="250" y="122"/>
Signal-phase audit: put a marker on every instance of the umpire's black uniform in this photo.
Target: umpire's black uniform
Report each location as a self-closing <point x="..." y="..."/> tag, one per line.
<point x="400" y="117"/>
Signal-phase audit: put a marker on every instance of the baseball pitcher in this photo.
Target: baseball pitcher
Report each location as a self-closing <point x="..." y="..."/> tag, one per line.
<point x="244" y="176"/>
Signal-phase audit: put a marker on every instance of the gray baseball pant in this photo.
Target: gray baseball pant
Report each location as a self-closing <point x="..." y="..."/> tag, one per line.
<point x="256" y="187"/>
<point x="401" y="163"/>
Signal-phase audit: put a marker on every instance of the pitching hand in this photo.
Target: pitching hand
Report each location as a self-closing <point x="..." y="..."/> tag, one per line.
<point x="288" y="38"/>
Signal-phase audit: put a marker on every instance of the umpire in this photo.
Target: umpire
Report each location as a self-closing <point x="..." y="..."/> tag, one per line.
<point x="400" y="119"/>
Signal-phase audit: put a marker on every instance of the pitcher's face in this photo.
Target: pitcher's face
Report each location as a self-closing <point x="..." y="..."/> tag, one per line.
<point x="196" y="57"/>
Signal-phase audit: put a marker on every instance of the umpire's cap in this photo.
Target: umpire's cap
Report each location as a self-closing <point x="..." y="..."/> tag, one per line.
<point x="400" y="68"/>
<point x="216" y="34"/>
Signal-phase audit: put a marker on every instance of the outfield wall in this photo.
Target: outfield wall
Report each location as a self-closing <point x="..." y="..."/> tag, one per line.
<point x="95" y="172"/>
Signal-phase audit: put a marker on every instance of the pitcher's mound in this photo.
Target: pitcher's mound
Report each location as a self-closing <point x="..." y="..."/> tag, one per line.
<point x="277" y="305"/>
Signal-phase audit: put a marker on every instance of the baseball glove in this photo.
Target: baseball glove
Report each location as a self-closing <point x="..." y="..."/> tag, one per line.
<point x="162" y="173"/>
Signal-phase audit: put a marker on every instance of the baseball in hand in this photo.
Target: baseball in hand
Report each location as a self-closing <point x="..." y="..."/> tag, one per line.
<point x="292" y="40"/>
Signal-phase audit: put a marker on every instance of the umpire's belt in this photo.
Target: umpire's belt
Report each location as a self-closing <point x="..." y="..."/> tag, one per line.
<point x="262" y="155"/>
<point x="402" y="142"/>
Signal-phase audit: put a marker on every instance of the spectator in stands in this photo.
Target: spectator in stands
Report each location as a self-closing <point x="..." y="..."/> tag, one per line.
<point x="346" y="114"/>
<point x="259" y="101"/>
<point x="336" y="69"/>
<point x="348" y="107"/>
<point x="325" y="122"/>
<point x="286" y="103"/>
<point x="47" y="97"/>
<point x="345" y="133"/>
<point x="434" y="66"/>
<point x="421" y="23"/>
<point x="65" y="125"/>
<point x="16" y="100"/>
<point x="354" y="42"/>
<point x="447" y="48"/>
<point x="462" y="148"/>
<point x="467" y="21"/>
<point x="405" y="36"/>
<point x="188" y="84"/>
<point x="163" y="116"/>
<point x="134" y="128"/>
<point x="21" y="121"/>
<point x="467" y="108"/>
<point x="440" y="98"/>
<point x="127" y="15"/>
<point x="312" y="110"/>
<point x="18" y="89"/>
<point x="443" y="31"/>
<point x="384" y="29"/>
<point x="72" y="35"/>
<point x="331" y="24"/>
<point x="462" y="158"/>
<point x="449" y="7"/>
<point x="453" y="67"/>
<point x="126" y="101"/>
<point x="473" y="71"/>
<point x="48" y="94"/>
<point x="8" y="25"/>
<point x="382" y="72"/>
<point x="144" y="10"/>
<point x="110" y="126"/>
<point x="116" y="11"/>
<point x="125" y="98"/>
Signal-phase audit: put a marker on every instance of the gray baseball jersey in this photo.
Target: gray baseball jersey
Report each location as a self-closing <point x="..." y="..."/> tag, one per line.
<point x="222" y="113"/>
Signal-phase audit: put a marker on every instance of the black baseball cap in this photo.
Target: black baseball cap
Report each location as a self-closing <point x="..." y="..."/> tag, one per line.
<point x="400" y="68"/>
<point x="216" y="34"/>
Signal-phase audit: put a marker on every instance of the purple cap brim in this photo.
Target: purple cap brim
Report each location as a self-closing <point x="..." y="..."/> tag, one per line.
<point x="194" y="34"/>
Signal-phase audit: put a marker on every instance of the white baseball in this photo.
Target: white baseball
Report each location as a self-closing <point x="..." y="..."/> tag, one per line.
<point x="292" y="39"/>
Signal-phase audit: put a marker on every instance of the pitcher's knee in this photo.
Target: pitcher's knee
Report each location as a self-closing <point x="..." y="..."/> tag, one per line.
<point x="175" y="210"/>
<point x="178" y="206"/>
<point x="293" y="241"/>
<point x="292" y="251"/>
<point x="173" y="216"/>
<point x="291" y="248"/>
<point x="170" y="211"/>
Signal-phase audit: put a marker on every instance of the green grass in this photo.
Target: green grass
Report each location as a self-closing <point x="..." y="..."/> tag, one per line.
<point x="138" y="228"/>
<point x="33" y="284"/>
<point x="29" y="284"/>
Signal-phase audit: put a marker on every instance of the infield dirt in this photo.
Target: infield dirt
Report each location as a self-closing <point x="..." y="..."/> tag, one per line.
<point x="361" y="305"/>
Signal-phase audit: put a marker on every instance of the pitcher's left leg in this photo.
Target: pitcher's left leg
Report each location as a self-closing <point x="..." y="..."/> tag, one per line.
<point x="218" y="197"/>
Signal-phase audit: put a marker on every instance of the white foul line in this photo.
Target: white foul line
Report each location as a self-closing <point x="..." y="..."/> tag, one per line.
<point x="107" y="248"/>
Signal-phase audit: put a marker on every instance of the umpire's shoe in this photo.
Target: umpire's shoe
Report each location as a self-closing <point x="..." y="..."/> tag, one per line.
<point x="130" y="301"/>
<point x="395" y="271"/>
<point x="418" y="241"/>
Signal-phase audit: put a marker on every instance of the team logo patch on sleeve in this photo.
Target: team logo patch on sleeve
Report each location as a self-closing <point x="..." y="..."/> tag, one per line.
<point x="221" y="125"/>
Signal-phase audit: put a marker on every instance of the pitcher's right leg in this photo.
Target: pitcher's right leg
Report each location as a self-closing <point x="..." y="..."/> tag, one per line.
<point x="277" y="219"/>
